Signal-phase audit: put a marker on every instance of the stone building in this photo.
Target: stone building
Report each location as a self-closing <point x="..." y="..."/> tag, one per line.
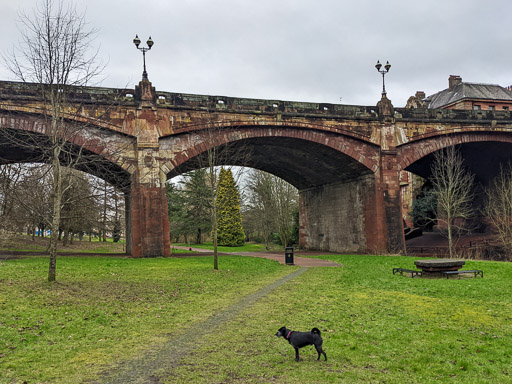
<point x="461" y="96"/>
<point x="471" y="96"/>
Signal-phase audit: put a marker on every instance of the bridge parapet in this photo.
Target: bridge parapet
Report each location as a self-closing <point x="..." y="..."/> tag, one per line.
<point x="451" y="115"/>
<point x="10" y="90"/>
<point x="127" y="97"/>
<point x="214" y="103"/>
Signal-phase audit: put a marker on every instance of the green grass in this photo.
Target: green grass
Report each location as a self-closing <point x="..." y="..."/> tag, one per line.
<point x="179" y="250"/>
<point x="247" y="247"/>
<point x="25" y="243"/>
<point x="103" y="310"/>
<point x="377" y="327"/>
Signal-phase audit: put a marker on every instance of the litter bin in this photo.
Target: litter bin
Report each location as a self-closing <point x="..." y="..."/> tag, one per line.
<point x="288" y="255"/>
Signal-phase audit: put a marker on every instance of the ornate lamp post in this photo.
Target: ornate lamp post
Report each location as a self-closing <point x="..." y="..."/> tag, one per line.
<point x="384" y="71"/>
<point x="150" y="43"/>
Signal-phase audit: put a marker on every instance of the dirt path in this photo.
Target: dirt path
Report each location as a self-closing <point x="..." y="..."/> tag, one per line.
<point x="300" y="261"/>
<point x="145" y="368"/>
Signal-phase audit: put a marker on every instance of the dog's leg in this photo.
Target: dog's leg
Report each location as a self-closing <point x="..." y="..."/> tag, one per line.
<point x="320" y="351"/>
<point x="296" y="354"/>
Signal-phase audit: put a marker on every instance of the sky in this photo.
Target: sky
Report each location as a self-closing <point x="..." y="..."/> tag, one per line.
<point x="297" y="50"/>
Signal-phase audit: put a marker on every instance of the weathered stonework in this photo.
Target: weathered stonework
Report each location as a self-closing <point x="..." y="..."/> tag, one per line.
<point x="345" y="160"/>
<point x="334" y="217"/>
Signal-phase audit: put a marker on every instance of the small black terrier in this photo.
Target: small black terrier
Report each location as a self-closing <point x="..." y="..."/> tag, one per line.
<point x="301" y="339"/>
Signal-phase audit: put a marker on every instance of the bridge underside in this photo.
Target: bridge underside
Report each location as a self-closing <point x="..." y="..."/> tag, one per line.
<point x="29" y="147"/>
<point x="302" y="164"/>
<point x="338" y="202"/>
<point x="483" y="159"/>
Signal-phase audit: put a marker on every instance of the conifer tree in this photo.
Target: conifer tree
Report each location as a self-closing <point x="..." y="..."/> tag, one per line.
<point x="229" y="231"/>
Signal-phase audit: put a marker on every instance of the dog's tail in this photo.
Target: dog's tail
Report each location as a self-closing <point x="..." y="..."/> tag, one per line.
<point x="317" y="331"/>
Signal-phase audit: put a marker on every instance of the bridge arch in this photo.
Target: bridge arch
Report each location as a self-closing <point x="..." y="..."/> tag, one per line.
<point x="336" y="175"/>
<point x="303" y="157"/>
<point x="102" y="150"/>
<point x="483" y="152"/>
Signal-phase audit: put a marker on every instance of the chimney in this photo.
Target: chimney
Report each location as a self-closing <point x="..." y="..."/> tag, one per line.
<point x="454" y="80"/>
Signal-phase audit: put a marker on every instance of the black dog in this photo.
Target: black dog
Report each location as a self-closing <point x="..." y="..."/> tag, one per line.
<point x="301" y="339"/>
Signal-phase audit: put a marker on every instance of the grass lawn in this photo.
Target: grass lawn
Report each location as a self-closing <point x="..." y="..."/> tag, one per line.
<point x="247" y="247"/>
<point x="103" y="310"/>
<point x="25" y="243"/>
<point x="377" y="327"/>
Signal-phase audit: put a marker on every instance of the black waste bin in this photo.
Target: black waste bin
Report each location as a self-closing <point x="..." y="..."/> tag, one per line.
<point x="288" y="255"/>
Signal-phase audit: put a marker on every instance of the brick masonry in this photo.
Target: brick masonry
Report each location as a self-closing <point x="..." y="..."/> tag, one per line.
<point x="334" y="217"/>
<point x="345" y="160"/>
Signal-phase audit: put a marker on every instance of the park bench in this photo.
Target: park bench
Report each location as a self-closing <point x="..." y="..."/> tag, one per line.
<point x="411" y="271"/>
<point x="475" y="272"/>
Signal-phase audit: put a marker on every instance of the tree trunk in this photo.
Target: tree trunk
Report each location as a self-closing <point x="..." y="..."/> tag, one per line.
<point x="105" y="212"/>
<point x="57" y="196"/>
<point x="198" y="236"/>
<point x="214" y="234"/>
<point x="450" y="238"/>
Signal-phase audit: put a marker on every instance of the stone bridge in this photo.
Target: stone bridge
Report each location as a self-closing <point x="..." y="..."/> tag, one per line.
<point x="346" y="161"/>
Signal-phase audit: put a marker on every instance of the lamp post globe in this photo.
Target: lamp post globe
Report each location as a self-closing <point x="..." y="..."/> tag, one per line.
<point x="149" y="43"/>
<point x="378" y="66"/>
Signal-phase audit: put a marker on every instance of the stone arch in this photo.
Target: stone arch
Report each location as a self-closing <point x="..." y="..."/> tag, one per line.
<point x="415" y="150"/>
<point x="483" y="152"/>
<point x="109" y="153"/>
<point x="342" y="157"/>
<point x="335" y="174"/>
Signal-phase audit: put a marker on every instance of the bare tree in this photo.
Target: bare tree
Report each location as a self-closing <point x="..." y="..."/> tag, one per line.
<point x="55" y="53"/>
<point x="78" y="204"/>
<point x="11" y="176"/>
<point x="453" y="187"/>
<point x="261" y="205"/>
<point x="25" y="190"/>
<point x="499" y="206"/>
<point x="231" y="153"/>
<point x="31" y="197"/>
<point x="287" y="201"/>
<point x="272" y="202"/>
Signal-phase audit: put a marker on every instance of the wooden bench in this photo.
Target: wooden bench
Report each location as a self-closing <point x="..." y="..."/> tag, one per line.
<point x="475" y="272"/>
<point x="411" y="271"/>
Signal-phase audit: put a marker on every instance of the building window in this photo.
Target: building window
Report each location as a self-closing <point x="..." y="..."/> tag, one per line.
<point x="505" y="108"/>
<point x="492" y="107"/>
<point x="476" y="107"/>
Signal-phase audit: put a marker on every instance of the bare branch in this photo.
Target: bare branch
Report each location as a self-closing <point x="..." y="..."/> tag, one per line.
<point x="453" y="187"/>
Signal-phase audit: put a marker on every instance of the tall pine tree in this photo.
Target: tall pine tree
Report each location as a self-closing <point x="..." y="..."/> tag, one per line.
<point x="229" y="231"/>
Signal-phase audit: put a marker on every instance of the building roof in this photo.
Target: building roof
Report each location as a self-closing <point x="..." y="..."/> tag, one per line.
<point x="472" y="91"/>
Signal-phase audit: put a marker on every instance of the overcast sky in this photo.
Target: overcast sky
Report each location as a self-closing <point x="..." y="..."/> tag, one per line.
<point x="300" y="50"/>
